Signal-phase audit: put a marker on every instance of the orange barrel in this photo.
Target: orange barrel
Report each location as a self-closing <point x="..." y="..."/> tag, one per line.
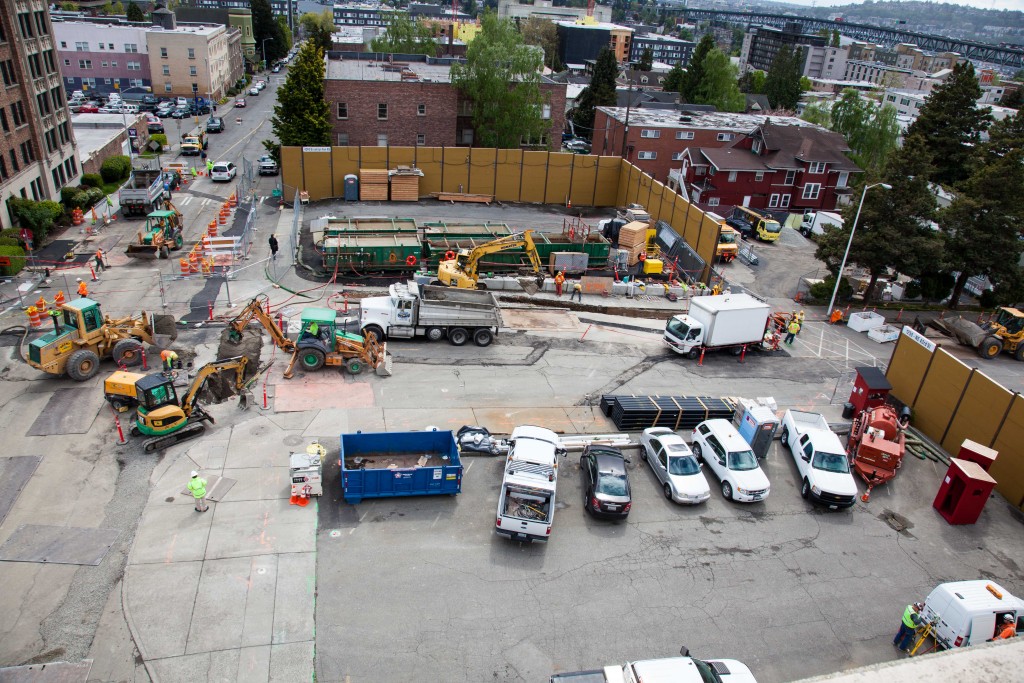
<point x="34" y="320"/>
<point x="184" y="266"/>
<point x="211" y="229"/>
<point x="222" y="218"/>
<point x="59" y="299"/>
<point x="207" y="266"/>
<point x="42" y="306"/>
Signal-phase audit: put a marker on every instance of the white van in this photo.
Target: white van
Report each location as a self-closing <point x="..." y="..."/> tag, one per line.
<point x="968" y="612"/>
<point x="526" y="503"/>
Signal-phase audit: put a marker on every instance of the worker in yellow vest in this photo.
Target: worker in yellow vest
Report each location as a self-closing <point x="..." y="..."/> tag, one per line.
<point x="197" y="486"/>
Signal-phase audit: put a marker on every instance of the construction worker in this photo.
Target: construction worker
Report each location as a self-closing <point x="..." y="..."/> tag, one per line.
<point x="168" y="358"/>
<point x="908" y="626"/>
<point x="1007" y="629"/>
<point x="194" y="173"/>
<point x="577" y="291"/>
<point x="800" y="320"/>
<point x="100" y="265"/>
<point x="559" y="281"/>
<point x="209" y="166"/>
<point x="197" y="485"/>
<point x="836" y="317"/>
<point x="273" y="247"/>
<point x="791" y="331"/>
<point x="83" y="289"/>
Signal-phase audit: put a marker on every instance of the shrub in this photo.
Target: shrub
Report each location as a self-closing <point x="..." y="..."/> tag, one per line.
<point x="822" y="291"/>
<point x="9" y="242"/>
<point x="11" y="232"/>
<point x="38" y="217"/>
<point x="16" y="255"/>
<point x="92" y="180"/>
<point x="94" y="195"/>
<point x="115" y="169"/>
<point x="159" y="138"/>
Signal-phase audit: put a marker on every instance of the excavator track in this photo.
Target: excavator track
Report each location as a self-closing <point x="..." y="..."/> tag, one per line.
<point x="159" y="442"/>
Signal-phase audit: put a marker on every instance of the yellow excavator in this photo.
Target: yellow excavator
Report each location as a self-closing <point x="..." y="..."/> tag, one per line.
<point x="461" y="271"/>
<point x="159" y="414"/>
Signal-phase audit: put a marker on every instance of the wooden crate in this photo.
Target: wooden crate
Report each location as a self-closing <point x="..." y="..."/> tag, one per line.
<point x="632" y="234"/>
<point x="373" y="185"/>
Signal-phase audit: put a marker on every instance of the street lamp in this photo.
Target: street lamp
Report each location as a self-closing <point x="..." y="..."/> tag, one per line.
<point x="124" y="116"/>
<point x="263" y="48"/>
<point x="849" y="243"/>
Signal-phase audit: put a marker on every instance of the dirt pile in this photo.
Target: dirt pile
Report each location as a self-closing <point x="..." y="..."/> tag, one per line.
<point x="221" y="386"/>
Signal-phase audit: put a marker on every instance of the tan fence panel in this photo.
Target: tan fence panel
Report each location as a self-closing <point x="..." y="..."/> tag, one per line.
<point x="907" y="367"/>
<point x="344" y="161"/>
<point x="583" y="189"/>
<point x="455" y="172"/>
<point x="482" y="170"/>
<point x="559" y="174"/>
<point x="317" y="173"/>
<point x="508" y="185"/>
<point x="707" y="238"/>
<point x="609" y="172"/>
<point x="661" y="201"/>
<point x="1008" y="469"/>
<point x="291" y="172"/>
<point x="401" y="156"/>
<point x="428" y="160"/>
<point x="978" y="416"/>
<point x="622" y="193"/>
<point x="373" y="157"/>
<point x="940" y="392"/>
<point x="535" y="172"/>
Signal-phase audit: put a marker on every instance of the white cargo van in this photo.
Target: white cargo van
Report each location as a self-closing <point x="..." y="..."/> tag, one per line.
<point x="968" y="612"/>
<point x="526" y="504"/>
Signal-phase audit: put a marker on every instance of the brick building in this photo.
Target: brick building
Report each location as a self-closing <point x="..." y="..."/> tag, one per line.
<point x="410" y="101"/>
<point x="102" y="58"/>
<point x="38" y="155"/>
<point x="657" y="137"/>
<point x="784" y="167"/>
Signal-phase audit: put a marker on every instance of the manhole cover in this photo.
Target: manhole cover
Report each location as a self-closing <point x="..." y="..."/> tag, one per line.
<point x="335" y="533"/>
<point x="261" y="570"/>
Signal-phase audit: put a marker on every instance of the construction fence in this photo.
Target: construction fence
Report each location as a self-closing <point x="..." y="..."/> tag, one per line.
<point x="952" y="401"/>
<point x="507" y="175"/>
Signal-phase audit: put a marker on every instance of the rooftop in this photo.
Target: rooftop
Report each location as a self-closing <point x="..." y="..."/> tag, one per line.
<point x="600" y="25"/>
<point x="398" y="70"/>
<point x="665" y="118"/>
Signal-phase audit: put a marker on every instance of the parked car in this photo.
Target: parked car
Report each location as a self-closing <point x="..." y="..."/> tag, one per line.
<point x="215" y="124"/>
<point x="90" y="108"/>
<point x="198" y="109"/>
<point x="254" y="91"/>
<point x="605" y="482"/>
<point x="181" y="113"/>
<point x="576" y="146"/>
<point x="675" y="466"/>
<point x="261" y="84"/>
<point x="276" y="69"/>
<point x="155" y="126"/>
<point x="718" y="444"/>
<point x="181" y="102"/>
<point x="239" y="103"/>
<point x="223" y="172"/>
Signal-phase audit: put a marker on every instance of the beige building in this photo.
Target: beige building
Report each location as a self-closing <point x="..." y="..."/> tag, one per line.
<point x="192" y="59"/>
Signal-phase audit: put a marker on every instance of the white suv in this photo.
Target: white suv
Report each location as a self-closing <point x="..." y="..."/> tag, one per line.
<point x="223" y="171"/>
<point x="717" y="443"/>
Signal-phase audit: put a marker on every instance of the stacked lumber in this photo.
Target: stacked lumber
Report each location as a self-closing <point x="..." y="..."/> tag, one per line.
<point x="463" y="197"/>
<point x="636" y="413"/>
<point x="373" y="185"/>
<point x="633" y="239"/>
<point x="405" y="184"/>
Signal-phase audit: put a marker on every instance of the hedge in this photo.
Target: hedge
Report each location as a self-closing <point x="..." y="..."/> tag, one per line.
<point x="10" y="242"/>
<point x="92" y="180"/>
<point x="159" y="138"/>
<point x="17" y="256"/>
<point x="115" y="169"/>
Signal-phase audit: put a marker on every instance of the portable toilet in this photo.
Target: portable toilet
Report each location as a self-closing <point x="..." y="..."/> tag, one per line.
<point x="351" y="188"/>
<point x="870" y="389"/>
<point x="757" y="425"/>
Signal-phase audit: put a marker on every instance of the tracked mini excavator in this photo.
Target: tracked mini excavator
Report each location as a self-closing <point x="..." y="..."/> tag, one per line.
<point x="159" y="414"/>
<point x="461" y="271"/>
<point x="320" y="341"/>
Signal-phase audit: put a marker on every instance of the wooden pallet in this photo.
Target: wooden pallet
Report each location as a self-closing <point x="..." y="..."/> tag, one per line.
<point x="463" y="197"/>
<point x="405" y="188"/>
<point x="632" y="234"/>
<point x="373" y="185"/>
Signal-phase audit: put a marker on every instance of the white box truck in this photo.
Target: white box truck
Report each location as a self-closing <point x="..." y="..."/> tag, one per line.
<point x="820" y="459"/>
<point x="412" y="310"/>
<point x="526" y="502"/>
<point x="715" y="322"/>
<point x="815" y="222"/>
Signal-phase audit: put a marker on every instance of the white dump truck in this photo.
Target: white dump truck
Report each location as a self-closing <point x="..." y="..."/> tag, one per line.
<point x="412" y="310"/>
<point x="820" y="459"/>
<point x="715" y="322"/>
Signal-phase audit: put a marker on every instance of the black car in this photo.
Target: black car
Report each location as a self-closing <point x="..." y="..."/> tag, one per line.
<point x="181" y="113"/>
<point x="606" y="490"/>
<point x="199" y="109"/>
<point x="215" y="125"/>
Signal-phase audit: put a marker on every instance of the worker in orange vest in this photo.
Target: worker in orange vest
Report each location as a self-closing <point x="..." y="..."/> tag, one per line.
<point x="559" y="281"/>
<point x="83" y="289"/>
<point x="1007" y="629"/>
<point x="168" y="358"/>
<point x="100" y="265"/>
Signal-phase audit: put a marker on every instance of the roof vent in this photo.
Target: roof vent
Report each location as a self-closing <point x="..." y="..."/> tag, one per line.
<point x="685" y="119"/>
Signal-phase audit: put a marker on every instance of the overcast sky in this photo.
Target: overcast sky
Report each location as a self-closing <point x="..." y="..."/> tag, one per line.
<point x="984" y="4"/>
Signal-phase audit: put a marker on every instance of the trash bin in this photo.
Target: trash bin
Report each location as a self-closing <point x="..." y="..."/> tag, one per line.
<point x="351" y="188"/>
<point x="848" y="409"/>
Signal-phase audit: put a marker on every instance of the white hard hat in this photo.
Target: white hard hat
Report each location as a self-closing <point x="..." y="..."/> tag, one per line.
<point x="194" y="473"/>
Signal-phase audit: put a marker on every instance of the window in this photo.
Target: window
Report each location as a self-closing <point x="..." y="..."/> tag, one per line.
<point x="545" y="112"/>
<point x="677" y="156"/>
<point x="28" y="153"/>
<point x="9" y="75"/>
<point x="759" y="176"/>
<point x="773" y="201"/>
<point x="647" y="155"/>
<point x="113" y="64"/>
<point x="135" y="66"/>
<point x="135" y="83"/>
<point x="67" y="62"/>
<point x="724" y="137"/>
<point x="684" y="135"/>
<point x="81" y="47"/>
<point x="382" y="139"/>
<point x="382" y="112"/>
<point x="131" y="47"/>
<point x="421" y="110"/>
<point x="18" y="114"/>
<point x="192" y="71"/>
<point x="3" y="169"/>
<point x="785" y="201"/>
<point x="843" y="179"/>
<point x="817" y="167"/>
<point x="88" y="83"/>
<point x="167" y="87"/>
<point x="3" y="121"/>
<point x="713" y="201"/>
<point x="756" y="147"/>
<point x="110" y="46"/>
<point x="63" y="45"/>
<point x="698" y="170"/>
<point x="167" y="70"/>
<point x="191" y="53"/>
<point x="732" y="176"/>
<point x="14" y="160"/>
<point x="84" y="63"/>
<point x="342" y="110"/>
<point x="812" y="190"/>
<point x="905" y="101"/>
<point x="103" y="65"/>
<point x="421" y="139"/>
<point x="790" y="178"/>
<point x="163" y="52"/>
<point x="649" y="133"/>
<point x="101" y="46"/>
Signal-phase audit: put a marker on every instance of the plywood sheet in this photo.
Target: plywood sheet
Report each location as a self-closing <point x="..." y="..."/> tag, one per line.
<point x="58" y="544"/>
<point x="69" y="411"/>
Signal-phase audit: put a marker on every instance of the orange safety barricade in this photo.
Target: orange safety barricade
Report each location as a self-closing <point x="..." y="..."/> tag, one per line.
<point x="184" y="266"/>
<point x="59" y="299"/>
<point x="34" y="320"/>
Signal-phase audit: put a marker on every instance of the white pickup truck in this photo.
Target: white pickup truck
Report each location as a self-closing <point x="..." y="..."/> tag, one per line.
<point x="820" y="459"/>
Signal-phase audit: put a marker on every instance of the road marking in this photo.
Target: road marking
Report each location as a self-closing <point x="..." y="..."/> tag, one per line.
<point x="205" y="202"/>
<point x="186" y="201"/>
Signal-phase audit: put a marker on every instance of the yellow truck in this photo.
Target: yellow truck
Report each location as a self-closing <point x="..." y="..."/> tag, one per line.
<point x="752" y="223"/>
<point x="728" y="243"/>
<point x="194" y="142"/>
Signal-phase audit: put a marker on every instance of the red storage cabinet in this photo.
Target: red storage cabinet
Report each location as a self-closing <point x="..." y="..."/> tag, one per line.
<point x="964" y="491"/>
<point x="975" y="452"/>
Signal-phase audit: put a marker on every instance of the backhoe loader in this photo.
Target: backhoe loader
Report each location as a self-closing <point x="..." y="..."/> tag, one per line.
<point x="158" y="412"/>
<point x="320" y="341"/>
<point x="461" y="271"/>
<point x="161" y="234"/>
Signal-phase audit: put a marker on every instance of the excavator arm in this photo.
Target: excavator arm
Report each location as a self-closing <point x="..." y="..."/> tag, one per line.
<point x="255" y="309"/>
<point x="188" y="401"/>
<point x="468" y="262"/>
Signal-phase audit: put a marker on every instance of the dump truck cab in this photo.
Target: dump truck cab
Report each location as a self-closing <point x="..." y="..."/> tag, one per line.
<point x="728" y="243"/>
<point x="751" y="223"/>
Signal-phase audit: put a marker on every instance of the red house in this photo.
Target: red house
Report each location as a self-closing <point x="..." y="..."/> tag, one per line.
<point x="793" y="168"/>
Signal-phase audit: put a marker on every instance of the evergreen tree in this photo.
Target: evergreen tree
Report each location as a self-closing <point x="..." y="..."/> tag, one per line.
<point x="404" y="35"/>
<point x="952" y="123"/>
<point x="600" y="93"/>
<point x="646" y="62"/>
<point x="674" y="78"/>
<point x="981" y="228"/>
<point x="265" y="27"/>
<point x="134" y="13"/>
<point x="893" y="231"/>
<point x="752" y="82"/>
<point x="501" y="76"/>
<point x="782" y="85"/>
<point x="301" y="116"/>
<point x="695" y="69"/>
<point x="318" y="28"/>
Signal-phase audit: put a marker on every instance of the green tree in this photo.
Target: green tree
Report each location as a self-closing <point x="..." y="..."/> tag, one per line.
<point x="134" y="13"/>
<point x="117" y="8"/>
<point x="286" y="32"/>
<point x="501" y="76"/>
<point x="1013" y="99"/>
<point x="893" y="230"/>
<point x="952" y="123"/>
<point x="981" y="228"/>
<point x="752" y="82"/>
<point x="695" y="69"/>
<point x="872" y="132"/>
<point x="674" y="78"/>
<point x="301" y="116"/>
<point x="318" y="28"/>
<point x="835" y="39"/>
<point x="685" y="34"/>
<point x="38" y="217"/>
<point x="600" y="92"/>
<point x="265" y="27"/>
<point x="718" y="84"/>
<point x="818" y="113"/>
<point x="544" y="34"/>
<point x="646" y="62"/>
<point x="782" y="85"/>
<point x="405" y="36"/>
